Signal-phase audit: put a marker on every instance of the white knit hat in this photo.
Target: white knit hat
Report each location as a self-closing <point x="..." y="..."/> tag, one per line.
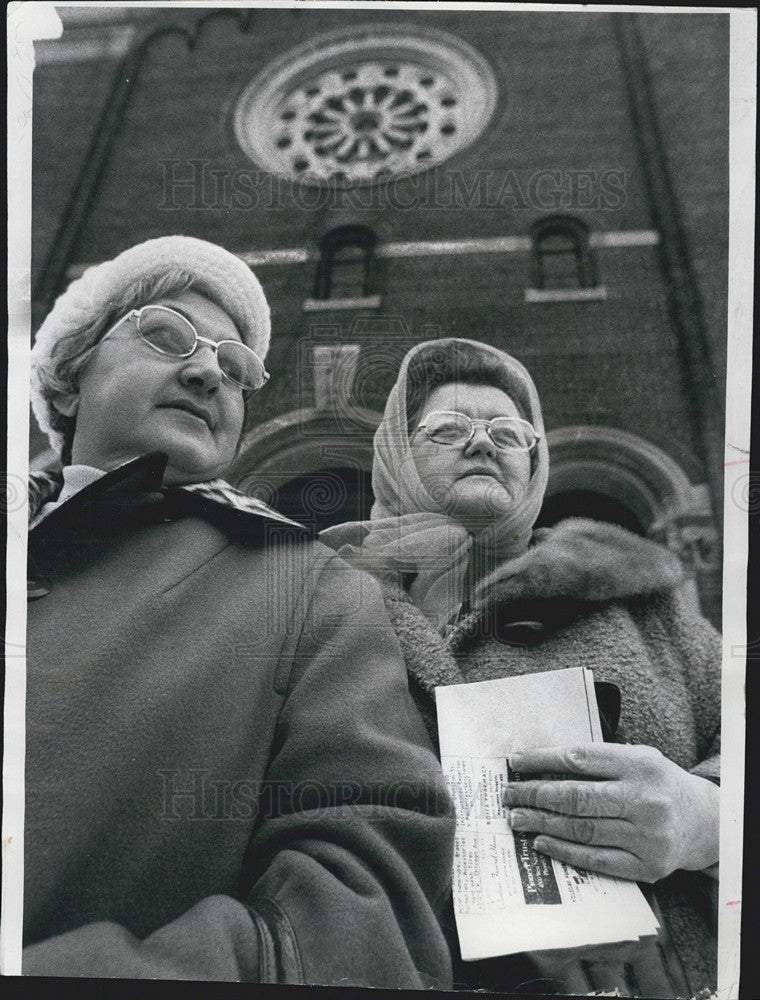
<point x="216" y="272"/>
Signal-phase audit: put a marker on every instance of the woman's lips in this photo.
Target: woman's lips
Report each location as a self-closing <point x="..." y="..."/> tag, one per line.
<point x="479" y="472"/>
<point x="194" y="411"/>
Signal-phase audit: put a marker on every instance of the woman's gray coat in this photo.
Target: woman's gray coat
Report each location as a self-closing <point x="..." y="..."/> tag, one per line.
<point x="225" y="775"/>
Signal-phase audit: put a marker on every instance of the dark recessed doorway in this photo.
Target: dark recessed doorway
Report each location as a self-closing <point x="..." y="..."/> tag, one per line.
<point x="327" y="497"/>
<point x="586" y="503"/>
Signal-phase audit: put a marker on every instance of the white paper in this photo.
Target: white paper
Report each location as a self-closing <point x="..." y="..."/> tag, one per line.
<point x="507" y="897"/>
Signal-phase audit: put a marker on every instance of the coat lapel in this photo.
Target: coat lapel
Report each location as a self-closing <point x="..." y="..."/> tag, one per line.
<point x="121" y="495"/>
<point x="429" y="660"/>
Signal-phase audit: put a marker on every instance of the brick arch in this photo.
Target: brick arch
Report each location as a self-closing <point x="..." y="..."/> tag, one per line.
<point x="637" y="474"/>
<point x="314" y="465"/>
<point x="306" y="440"/>
<point x="625" y="467"/>
<point x="605" y="460"/>
<point x="612" y="463"/>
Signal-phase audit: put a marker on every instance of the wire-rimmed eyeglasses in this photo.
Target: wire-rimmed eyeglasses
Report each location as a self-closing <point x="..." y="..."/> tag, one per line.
<point x="449" y="427"/>
<point x="170" y="333"/>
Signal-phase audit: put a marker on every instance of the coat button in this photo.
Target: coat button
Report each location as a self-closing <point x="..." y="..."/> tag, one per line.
<point x="529" y="626"/>
<point x="523" y="633"/>
<point x="37" y="588"/>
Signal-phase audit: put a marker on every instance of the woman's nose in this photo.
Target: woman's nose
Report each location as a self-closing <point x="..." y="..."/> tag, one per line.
<point x="480" y="443"/>
<point x="201" y="371"/>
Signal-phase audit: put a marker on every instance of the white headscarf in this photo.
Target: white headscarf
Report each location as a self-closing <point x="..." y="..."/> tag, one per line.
<point x="409" y="531"/>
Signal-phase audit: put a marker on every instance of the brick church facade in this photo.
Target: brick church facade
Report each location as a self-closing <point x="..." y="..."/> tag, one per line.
<point x="555" y="184"/>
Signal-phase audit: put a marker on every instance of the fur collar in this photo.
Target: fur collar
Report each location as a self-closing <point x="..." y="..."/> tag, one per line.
<point x="578" y="561"/>
<point x="586" y="561"/>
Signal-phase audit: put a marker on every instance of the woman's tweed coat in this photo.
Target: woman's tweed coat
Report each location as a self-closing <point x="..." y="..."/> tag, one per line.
<point x="608" y="600"/>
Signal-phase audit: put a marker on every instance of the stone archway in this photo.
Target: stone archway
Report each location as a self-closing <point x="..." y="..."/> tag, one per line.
<point x="327" y="454"/>
<point x="328" y="447"/>
<point x="624" y="466"/>
<point x="638" y="475"/>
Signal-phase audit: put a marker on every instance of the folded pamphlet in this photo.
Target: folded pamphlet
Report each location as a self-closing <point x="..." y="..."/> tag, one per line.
<point x="508" y="898"/>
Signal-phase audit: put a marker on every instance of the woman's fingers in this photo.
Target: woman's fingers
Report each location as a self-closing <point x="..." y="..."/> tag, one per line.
<point x="578" y="829"/>
<point x="577" y="798"/>
<point x="606" y="860"/>
<point x="672" y="815"/>
<point x="592" y="760"/>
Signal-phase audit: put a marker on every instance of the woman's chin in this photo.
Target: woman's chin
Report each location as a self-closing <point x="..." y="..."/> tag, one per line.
<point x="183" y="469"/>
<point x="481" y="508"/>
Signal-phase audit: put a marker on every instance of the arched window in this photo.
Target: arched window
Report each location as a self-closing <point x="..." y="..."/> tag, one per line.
<point x="561" y="256"/>
<point x="346" y="264"/>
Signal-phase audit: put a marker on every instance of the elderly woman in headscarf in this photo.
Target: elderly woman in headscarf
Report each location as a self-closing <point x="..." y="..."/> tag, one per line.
<point x="475" y="593"/>
<point x="219" y="741"/>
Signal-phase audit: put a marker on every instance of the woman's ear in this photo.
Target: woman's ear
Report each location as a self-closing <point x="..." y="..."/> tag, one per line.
<point x="65" y="402"/>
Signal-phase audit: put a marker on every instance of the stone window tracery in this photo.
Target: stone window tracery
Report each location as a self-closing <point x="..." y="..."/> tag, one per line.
<point x="365" y="104"/>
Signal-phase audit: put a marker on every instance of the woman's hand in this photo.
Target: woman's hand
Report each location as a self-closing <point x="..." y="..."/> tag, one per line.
<point x="635" y="814"/>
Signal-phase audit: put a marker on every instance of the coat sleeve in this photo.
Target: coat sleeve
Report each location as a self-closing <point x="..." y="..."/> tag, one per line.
<point x="352" y="865"/>
<point x="349" y="865"/>
<point x="700" y="650"/>
<point x="214" y="940"/>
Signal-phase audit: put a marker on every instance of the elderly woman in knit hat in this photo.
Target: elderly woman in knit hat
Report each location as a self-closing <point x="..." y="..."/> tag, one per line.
<point x="475" y="593"/>
<point x="226" y="778"/>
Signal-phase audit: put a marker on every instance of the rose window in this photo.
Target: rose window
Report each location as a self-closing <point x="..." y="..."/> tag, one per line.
<point x="365" y="106"/>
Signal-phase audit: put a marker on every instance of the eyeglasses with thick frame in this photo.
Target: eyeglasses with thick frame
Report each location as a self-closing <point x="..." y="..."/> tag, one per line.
<point x="468" y="425"/>
<point x="235" y="346"/>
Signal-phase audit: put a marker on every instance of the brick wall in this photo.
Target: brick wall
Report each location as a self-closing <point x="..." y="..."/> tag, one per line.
<point x="562" y="108"/>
